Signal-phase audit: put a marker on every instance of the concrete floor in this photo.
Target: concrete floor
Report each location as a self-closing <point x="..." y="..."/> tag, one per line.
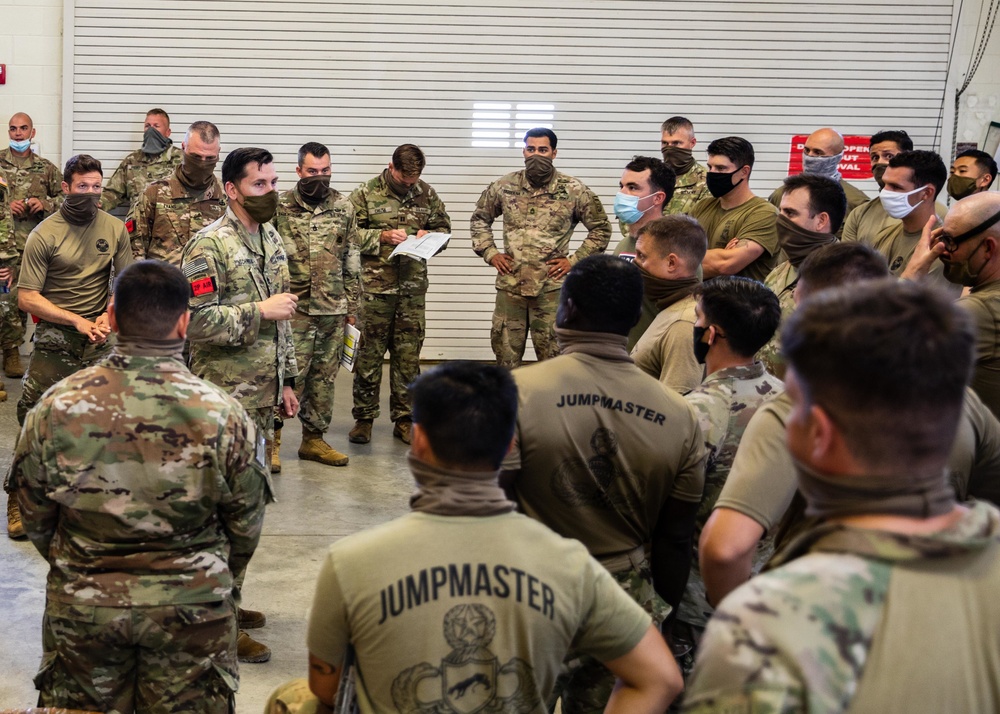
<point x="315" y="506"/>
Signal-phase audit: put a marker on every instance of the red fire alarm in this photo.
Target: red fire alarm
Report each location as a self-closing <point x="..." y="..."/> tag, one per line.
<point x="3" y="74"/>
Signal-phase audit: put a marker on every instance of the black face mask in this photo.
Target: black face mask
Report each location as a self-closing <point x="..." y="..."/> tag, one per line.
<point x="314" y="189"/>
<point x="877" y="171"/>
<point x="719" y="184"/>
<point x="80" y="209"/>
<point x="700" y="348"/>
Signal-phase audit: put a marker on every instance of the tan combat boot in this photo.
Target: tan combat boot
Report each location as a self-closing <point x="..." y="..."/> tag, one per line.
<point x="250" y="650"/>
<point x="403" y="429"/>
<point x="251" y="619"/>
<point x="12" y="362"/>
<point x="315" y="449"/>
<point x="361" y="433"/>
<point x="275" y="456"/>
<point x="15" y="529"/>
<point x="3" y="395"/>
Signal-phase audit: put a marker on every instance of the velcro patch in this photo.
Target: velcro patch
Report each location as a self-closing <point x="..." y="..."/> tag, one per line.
<point x="196" y="266"/>
<point x="203" y="286"/>
<point x="130" y="225"/>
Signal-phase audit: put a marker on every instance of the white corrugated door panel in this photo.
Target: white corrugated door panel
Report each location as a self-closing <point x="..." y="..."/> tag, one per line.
<point x="363" y="77"/>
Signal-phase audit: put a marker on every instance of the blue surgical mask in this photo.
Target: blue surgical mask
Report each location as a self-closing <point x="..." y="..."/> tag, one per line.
<point x="627" y="207"/>
<point x="20" y="145"/>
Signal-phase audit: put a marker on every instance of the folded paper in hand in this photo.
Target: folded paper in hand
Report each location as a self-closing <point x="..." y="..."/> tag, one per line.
<point x="423" y="248"/>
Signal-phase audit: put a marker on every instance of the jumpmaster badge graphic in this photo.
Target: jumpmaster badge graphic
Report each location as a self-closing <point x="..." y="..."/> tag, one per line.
<point x="597" y="482"/>
<point x="470" y="678"/>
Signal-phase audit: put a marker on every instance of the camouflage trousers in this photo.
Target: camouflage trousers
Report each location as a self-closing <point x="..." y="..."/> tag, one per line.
<point x="294" y="697"/>
<point x="585" y="685"/>
<point x="59" y="351"/>
<point x="12" y="320"/>
<point x="394" y="323"/>
<point x="164" y="659"/>
<point x="514" y="316"/>
<point x="319" y="342"/>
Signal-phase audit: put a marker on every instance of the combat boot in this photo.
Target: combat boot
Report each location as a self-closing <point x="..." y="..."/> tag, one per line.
<point x="251" y="619"/>
<point x="403" y="430"/>
<point x="12" y="362"/>
<point x="361" y="433"/>
<point x="275" y="456"/>
<point x="3" y="395"/>
<point x="250" y="650"/>
<point x="315" y="449"/>
<point x="15" y="529"/>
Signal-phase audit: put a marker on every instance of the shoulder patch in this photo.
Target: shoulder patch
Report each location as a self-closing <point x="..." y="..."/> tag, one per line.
<point x="196" y="266"/>
<point x="130" y="225"/>
<point x="203" y="286"/>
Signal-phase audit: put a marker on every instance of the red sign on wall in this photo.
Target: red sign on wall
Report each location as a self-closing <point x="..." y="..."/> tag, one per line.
<point x="854" y="165"/>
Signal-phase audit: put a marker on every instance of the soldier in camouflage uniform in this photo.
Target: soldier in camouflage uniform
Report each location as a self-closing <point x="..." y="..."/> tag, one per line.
<point x="320" y="231"/>
<point x="825" y="629"/>
<point x="240" y="304"/>
<point x="603" y="454"/>
<point x="735" y="317"/>
<point x="126" y="506"/>
<point x="35" y="192"/>
<point x="156" y="159"/>
<point x="68" y="263"/>
<point x="677" y="140"/>
<point x="811" y="213"/>
<point x="390" y="207"/>
<point x="9" y="258"/>
<point x="171" y="210"/>
<point x="540" y="209"/>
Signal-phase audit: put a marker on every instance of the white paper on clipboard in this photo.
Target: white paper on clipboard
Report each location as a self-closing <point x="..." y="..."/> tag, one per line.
<point x="352" y="339"/>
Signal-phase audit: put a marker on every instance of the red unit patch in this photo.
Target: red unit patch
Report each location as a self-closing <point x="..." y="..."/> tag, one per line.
<point x="130" y="225"/>
<point x="202" y="286"/>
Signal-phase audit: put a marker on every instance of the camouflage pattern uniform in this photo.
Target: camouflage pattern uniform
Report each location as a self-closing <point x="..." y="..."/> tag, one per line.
<point x="392" y="315"/>
<point x="31" y="176"/>
<point x="537" y="226"/>
<point x="146" y="511"/>
<point x="325" y="269"/>
<point x="782" y="281"/>
<point x="167" y="213"/>
<point x="689" y="189"/>
<point x="135" y="173"/>
<point x="723" y="404"/>
<point x="10" y="257"/>
<point x="826" y="631"/>
<point x="232" y="346"/>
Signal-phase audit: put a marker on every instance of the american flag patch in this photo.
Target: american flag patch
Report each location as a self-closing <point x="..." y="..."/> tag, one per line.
<point x="195" y="267"/>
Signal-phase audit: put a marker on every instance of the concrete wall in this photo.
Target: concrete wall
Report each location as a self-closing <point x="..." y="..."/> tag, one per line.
<point x="31" y="47"/>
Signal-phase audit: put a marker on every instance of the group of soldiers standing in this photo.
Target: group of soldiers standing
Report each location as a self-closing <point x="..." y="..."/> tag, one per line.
<point x="644" y="432"/>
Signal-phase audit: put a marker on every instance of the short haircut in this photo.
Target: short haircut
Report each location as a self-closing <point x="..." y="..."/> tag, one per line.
<point x="927" y="167"/>
<point x="234" y="168"/>
<point x="313" y="148"/>
<point x="897" y="136"/>
<point x="409" y="160"/>
<point x="735" y="148"/>
<point x="680" y="234"/>
<point x="149" y="298"/>
<point x="889" y="361"/>
<point x="157" y="112"/>
<point x="661" y="176"/>
<point x="206" y="131"/>
<point x="747" y="311"/>
<point x="79" y="165"/>
<point x="468" y="412"/>
<point x="606" y="292"/>
<point x="840" y="263"/>
<point x="675" y="124"/>
<point x="540" y="131"/>
<point x="983" y="160"/>
<point x="825" y="196"/>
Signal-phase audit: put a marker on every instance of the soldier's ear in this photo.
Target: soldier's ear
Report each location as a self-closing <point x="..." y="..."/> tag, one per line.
<point x="112" y="317"/>
<point x="181" y="328"/>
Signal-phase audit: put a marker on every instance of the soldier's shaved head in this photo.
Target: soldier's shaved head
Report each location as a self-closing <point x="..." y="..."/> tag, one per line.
<point x="971" y="212"/>
<point x="827" y="140"/>
<point x="20" y="119"/>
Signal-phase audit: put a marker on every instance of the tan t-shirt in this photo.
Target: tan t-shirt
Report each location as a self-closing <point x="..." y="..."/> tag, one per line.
<point x="666" y="349"/>
<point x="71" y="266"/>
<point x="601" y="447"/>
<point x="984" y="304"/>
<point x="752" y="220"/>
<point x="463" y="613"/>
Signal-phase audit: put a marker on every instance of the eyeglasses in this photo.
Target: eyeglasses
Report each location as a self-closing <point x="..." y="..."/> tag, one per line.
<point x="951" y="243"/>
